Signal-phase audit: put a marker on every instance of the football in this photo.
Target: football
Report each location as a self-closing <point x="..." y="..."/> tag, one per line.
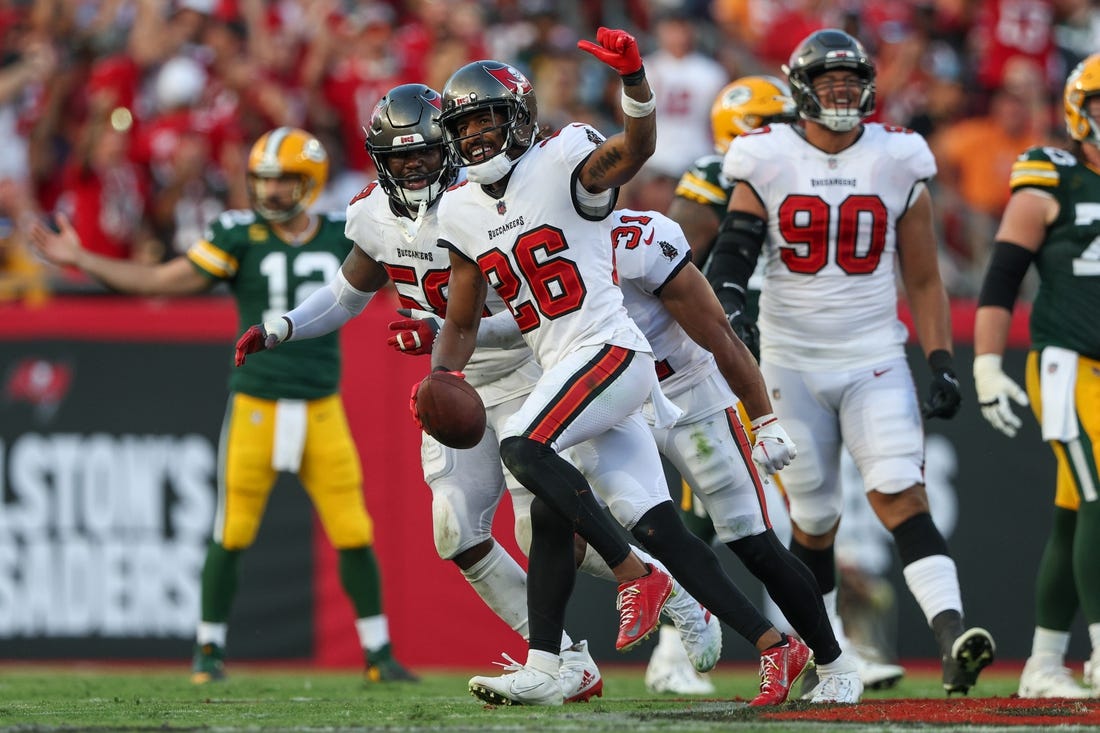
<point x="450" y="410"/>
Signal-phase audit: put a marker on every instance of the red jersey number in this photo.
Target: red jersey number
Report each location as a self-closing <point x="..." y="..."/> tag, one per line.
<point x="805" y="222"/>
<point x="554" y="282"/>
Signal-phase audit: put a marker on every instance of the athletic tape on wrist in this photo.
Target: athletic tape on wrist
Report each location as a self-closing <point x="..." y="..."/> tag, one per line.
<point x="634" y="108"/>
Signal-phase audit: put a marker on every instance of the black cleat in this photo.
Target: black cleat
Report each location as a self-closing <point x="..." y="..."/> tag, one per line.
<point x="971" y="652"/>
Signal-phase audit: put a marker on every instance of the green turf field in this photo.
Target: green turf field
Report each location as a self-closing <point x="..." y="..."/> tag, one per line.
<point x="71" y="697"/>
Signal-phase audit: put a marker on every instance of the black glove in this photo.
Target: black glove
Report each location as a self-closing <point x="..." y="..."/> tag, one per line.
<point x="747" y="331"/>
<point x="944" y="395"/>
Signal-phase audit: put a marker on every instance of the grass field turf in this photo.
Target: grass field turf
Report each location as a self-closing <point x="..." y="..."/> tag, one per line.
<point x="161" y="698"/>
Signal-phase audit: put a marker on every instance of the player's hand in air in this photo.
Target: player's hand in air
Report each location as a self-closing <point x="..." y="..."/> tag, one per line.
<point x="267" y="335"/>
<point x="746" y="330"/>
<point x="995" y="389"/>
<point x="773" y="449"/>
<point x="616" y="48"/>
<point x="944" y="394"/>
<point x="414" y="336"/>
<point x="61" y="248"/>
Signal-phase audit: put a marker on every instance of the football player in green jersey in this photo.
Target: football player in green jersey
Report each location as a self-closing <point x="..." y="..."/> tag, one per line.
<point x="285" y="411"/>
<point x="1053" y="220"/>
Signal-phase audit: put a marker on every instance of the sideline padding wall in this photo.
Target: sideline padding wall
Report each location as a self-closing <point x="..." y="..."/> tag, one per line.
<point x="110" y="409"/>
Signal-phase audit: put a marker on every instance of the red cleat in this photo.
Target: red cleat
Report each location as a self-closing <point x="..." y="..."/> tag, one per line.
<point x="780" y="668"/>
<point x="640" y="602"/>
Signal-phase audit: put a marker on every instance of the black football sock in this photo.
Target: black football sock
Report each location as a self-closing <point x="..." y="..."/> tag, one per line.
<point x="793" y="588"/>
<point x="551" y="573"/>
<point x="564" y="489"/>
<point x="695" y="566"/>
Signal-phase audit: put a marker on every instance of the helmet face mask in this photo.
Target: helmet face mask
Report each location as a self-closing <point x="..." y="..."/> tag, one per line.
<point x="504" y="94"/>
<point x="1082" y="84"/>
<point x="405" y="141"/>
<point x="828" y="51"/>
<point x="748" y="103"/>
<point x="281" y="155"/>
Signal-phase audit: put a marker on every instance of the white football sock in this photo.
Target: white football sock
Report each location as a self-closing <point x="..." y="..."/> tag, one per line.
<point x="934" y="583"/>
<point x="374" y="632"/>
<point x="502" y="585"/>
<point x="211" y="633"/>
<point x="1050" y="645"/>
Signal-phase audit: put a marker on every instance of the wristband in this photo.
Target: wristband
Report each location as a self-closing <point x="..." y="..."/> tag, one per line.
<point x="634" y="78"/>
<point x="634" y="108"/>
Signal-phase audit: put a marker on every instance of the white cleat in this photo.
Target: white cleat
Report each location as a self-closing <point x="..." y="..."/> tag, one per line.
<point x="1049" y="678"/>
<point x="1092" y="673"/>
<point x="519" y="685"/>
<point x="700" y="631"/>
<point x="877" y="675"/>
<point x="670" y="670"/>
<point x="580" y="677"/>
<point x="839" y="685"/>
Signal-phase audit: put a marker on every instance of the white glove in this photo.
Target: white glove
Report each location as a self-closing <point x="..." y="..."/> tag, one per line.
<point x="276" y="331"/>
<point x="995" y="389"/>
<point x="773" y="448"/>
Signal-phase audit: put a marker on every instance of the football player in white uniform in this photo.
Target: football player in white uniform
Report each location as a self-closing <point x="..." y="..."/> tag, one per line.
<point x="530" y="221"/>
<point x="835" y="202"/>
<point x="705" y="369"/>
<point x="393" y="223"/>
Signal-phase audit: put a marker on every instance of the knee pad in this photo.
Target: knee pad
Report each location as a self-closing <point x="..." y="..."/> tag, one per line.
<point x="815" y="521"/>
<point x="523" y="533"/>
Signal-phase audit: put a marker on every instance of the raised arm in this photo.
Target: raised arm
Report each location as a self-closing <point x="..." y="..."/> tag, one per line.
<point x="64" y="249"/>
<point x="622" y="155"/>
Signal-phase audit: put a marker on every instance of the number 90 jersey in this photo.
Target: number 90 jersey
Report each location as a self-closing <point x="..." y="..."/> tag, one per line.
<point x="547" y="255"/>
<point x="420" y="271"/>
<point x="829" y="299"/>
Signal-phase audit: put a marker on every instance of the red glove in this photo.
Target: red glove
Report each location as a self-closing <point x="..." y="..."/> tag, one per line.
<point x="616" y="48"/>
<point x="265" y="336"/>
<point x="253" y="340"/>
<point x="414" y="335"/>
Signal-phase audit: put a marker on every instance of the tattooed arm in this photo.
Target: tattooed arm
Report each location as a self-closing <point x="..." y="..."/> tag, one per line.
<point x="617" y="160"/>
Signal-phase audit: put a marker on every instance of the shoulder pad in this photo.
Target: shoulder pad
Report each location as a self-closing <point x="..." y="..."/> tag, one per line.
<point x="1039" y="167"/>
<point x="908" y="147"/>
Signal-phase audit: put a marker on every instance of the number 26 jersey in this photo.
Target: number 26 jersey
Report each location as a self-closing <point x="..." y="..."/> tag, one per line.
<point x="547" y="257"/>
<point x="829" y="298"/>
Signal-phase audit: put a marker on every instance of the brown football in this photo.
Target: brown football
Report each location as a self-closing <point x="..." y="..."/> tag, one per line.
<point x="451" y="411"/>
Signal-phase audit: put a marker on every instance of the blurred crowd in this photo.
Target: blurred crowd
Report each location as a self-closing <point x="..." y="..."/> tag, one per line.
<point x="134" y="117"/>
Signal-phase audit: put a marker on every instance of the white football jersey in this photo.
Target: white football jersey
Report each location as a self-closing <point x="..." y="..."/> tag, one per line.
<point x="650" y="249"/>
<point x="552" y="265"/>
<point x="420" y="272"/>
<point x="829" y="298"/>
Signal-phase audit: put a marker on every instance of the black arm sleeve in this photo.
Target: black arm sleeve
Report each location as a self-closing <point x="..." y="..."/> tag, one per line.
<point x="1006" y="271"/>
<point x="733" y="257"/>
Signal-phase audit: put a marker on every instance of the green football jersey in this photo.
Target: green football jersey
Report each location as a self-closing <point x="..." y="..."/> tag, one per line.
<point x="704" y="184"/>
<point x="269" y="277"/>
<point x="1068" y="262"/>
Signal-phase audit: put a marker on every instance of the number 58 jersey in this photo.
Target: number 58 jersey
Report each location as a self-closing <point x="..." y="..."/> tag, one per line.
<point x="829" y="298"/>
